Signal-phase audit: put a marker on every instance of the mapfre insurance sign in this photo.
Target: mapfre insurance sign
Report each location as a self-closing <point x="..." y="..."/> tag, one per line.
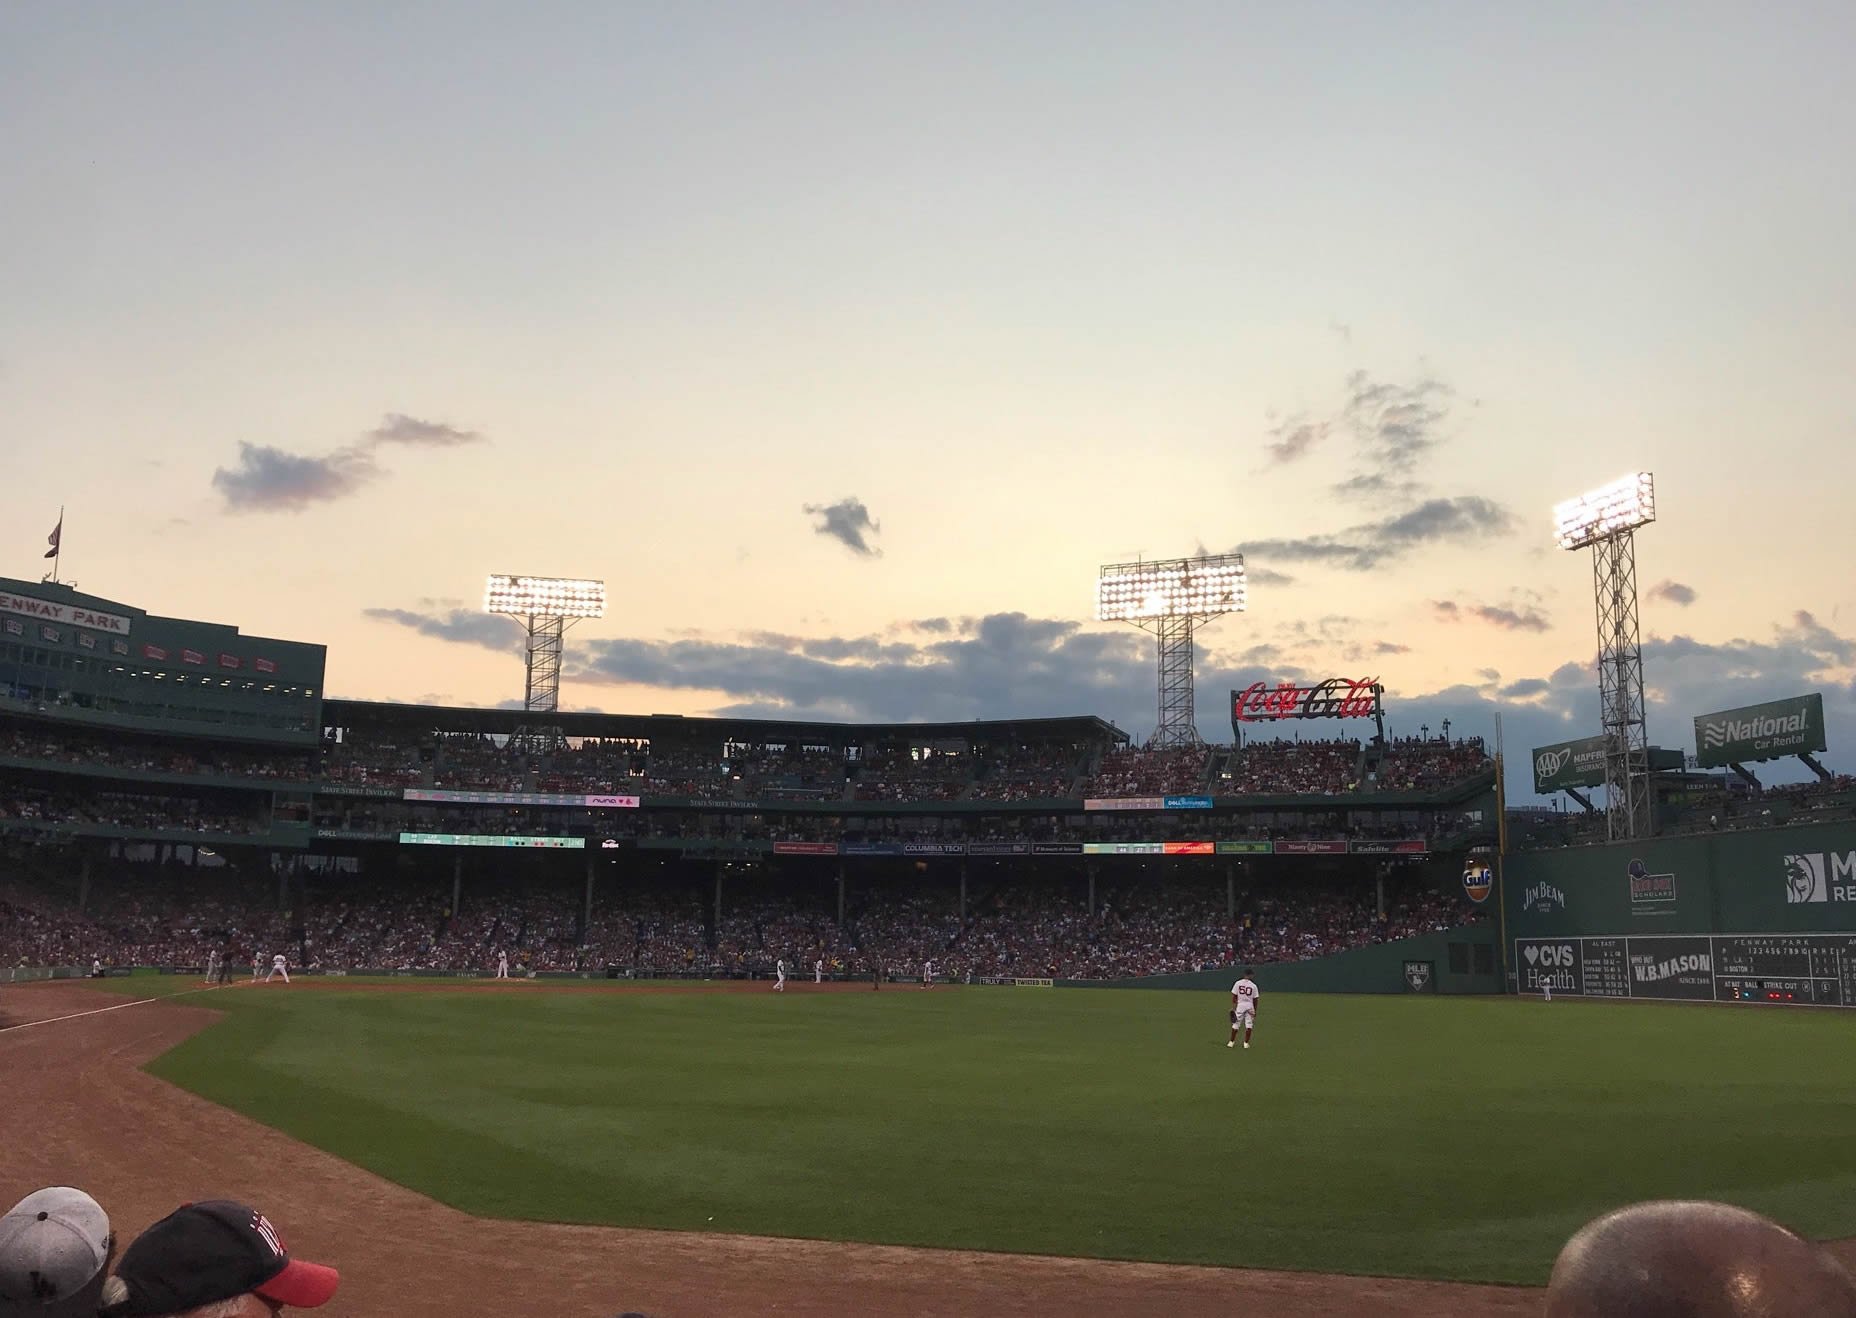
<point x="69" y="614"/>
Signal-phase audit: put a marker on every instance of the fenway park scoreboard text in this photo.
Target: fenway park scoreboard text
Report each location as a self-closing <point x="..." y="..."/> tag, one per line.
<point x="1777" y="969"/>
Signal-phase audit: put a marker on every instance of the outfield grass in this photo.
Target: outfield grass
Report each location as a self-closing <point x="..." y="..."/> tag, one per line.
<point x="1438" y="1137"/>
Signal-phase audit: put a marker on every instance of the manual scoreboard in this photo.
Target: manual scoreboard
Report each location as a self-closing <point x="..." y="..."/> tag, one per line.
<point x="1782" y="969"/>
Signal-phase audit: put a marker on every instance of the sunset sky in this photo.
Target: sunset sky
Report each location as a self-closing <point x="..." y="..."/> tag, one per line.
<point x="845" y="342"/>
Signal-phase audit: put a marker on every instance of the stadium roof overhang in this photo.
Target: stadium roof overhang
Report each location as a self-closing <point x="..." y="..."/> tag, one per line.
<point x="676" y="727"/>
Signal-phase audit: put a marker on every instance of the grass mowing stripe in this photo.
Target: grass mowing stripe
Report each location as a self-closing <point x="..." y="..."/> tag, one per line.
<point x="1431" y="1137"/>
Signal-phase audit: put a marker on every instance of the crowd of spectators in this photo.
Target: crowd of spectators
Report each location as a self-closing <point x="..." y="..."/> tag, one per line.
<point x="1130" y="771"/>
<point x="1306" y="768"/>
<point x="81" y="746"/>
<point x="1038" y="926"/>
<point x="29" y="805"/>
<point x="1422" y="764"/>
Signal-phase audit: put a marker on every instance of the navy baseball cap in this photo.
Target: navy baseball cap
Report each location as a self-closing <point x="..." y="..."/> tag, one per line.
<point x="207" y="1252"/>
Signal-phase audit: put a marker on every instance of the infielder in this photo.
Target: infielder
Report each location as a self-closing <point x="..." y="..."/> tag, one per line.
<point x="779" y="970"/>
<point x="212" y="967"/>
<point x="928" y="975"/>
<point x="818" y="971"/>
<point x="502" y="965"/>
<point x="277" y="968"/>
<point x="257" y="965"/>
<point x="1244" y="997"/>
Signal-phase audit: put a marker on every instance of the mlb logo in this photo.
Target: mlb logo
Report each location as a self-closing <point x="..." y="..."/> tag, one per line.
<point x="1804" y="879"/>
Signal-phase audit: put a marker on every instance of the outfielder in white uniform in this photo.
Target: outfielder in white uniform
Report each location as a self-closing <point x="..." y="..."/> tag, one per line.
<point x="1244" y="997"/>
<point x="928" y="975"/>
<point x="818" y="971"/>
<point x="277" y="968"/>
<point x="502" y="965"/>
<point x="779" y="970"/>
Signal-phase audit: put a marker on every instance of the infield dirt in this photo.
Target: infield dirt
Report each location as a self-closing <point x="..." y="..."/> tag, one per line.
<point x="78" y="1110"/>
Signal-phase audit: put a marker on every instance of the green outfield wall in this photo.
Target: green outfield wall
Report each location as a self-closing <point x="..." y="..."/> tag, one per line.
<point x="1453" y="961"/>
<point x="1799" y="879"/>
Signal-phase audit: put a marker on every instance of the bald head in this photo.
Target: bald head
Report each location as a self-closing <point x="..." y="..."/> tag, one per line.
<point x="1681" y="1259"/>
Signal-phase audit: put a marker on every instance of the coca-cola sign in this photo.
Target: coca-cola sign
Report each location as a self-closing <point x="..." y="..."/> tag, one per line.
<point x="1337" y="697"/>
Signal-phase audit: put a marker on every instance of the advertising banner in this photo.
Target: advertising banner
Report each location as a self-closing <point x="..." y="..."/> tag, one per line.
<point x="805" y="848"/>
<point x="490" y="840"/>
<point x="1056" y="848"/>
<point x="1186" y="802"/>
<point x="1566" y="764"/>
<point x="446" y="796"/>
<point x="1243" y="849"/>
<point x="998" y="849"/>
<point x="1310" y="848"/>
<point x="934" y="848"/>
<point x="1124" y="848"/>
<point x="1125" y="803"/>
<point x="1760" y="732"/>
<point x="1337" y="697"/>
<point x="1403" y="847"/>
<point x="1189" y="848"/>
<point x="870" y="848"/>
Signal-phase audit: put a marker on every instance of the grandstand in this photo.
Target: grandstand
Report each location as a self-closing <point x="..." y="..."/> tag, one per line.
<point x="171" y="789"/>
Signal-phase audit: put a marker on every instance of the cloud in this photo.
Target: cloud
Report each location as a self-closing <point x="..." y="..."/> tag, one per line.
<point x="492" y="631"/>
<point x="849" y="523"/>
<point x="1391" y="647"/>
<point x="1361" y="548"/>
<point x="1528" y="688"/>
<point x="1263" y="576"/>
<point x="398" y="428"/>
<point x="1673" y="592"/>
<point x="1515" y="618"/>
<point x="268" y="479"/>
<point x="1293" y="438"/>
<point x="1394" y="425"/>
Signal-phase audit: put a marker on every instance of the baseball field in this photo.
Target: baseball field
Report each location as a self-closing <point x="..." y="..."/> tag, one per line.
<point x="1426" y="1137"/>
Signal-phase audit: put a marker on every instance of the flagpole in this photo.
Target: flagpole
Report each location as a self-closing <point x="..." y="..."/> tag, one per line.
<point x="1501" y="847"/>
<point x="58" y="558"/>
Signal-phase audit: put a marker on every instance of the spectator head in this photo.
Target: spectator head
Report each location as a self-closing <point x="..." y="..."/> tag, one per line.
<point x="55" y="1249"/>
<point x="214" y="1260"/>
<point x="1680" y="1259"/>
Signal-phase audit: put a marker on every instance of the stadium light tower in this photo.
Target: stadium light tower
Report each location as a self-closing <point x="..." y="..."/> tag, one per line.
<point x="548" y="606"/>
<point x="1170" y="599"/>
<point x="1606" y="519"/>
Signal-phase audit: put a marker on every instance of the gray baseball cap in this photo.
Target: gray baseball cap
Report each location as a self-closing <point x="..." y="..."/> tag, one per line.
<point x="54" y="1255"/>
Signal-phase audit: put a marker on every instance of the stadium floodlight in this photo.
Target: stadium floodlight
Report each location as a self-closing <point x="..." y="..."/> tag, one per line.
<point x="553" y="597"/>
<point x="1623" y="505"/>
<point x="548" y="606"/>
<point x="1606" y="520"/>
<point x="1171" y="598"/>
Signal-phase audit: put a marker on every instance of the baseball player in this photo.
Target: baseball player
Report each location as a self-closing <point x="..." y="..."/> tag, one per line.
<point x="1244" y="997"/>
<point x="96" y="967"/>
<point x="818" y="971"/>
<point x="928" y="975"/>
<point x="779" y="970"/>
<point x="257" y="965"/>
<point x="212" y="966"/>
<point x="277" y="968"/>
<point x="225" y="967"/>
<point x="502" y="965"/>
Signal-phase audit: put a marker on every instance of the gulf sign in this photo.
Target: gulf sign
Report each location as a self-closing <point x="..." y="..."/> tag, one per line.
<point x="1478" y="880"/>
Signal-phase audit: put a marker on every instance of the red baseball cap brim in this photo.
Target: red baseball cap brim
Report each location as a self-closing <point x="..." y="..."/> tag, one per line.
<point x="301" y="1285"/>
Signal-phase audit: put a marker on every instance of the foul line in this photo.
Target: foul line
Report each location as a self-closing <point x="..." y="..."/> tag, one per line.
<point x="79" y="1015"/>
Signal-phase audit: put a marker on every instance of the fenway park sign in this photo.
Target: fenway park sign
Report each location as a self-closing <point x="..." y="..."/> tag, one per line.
<point x="1337" y="697"/>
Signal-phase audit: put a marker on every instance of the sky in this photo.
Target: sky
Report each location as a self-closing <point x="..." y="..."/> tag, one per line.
<point x="846" y="342"/>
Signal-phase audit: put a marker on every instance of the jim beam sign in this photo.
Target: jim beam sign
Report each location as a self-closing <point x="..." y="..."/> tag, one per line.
<point x="1569" y="764"/>
<point x="70" y="615"/>
<point x="1760" y="732"/>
